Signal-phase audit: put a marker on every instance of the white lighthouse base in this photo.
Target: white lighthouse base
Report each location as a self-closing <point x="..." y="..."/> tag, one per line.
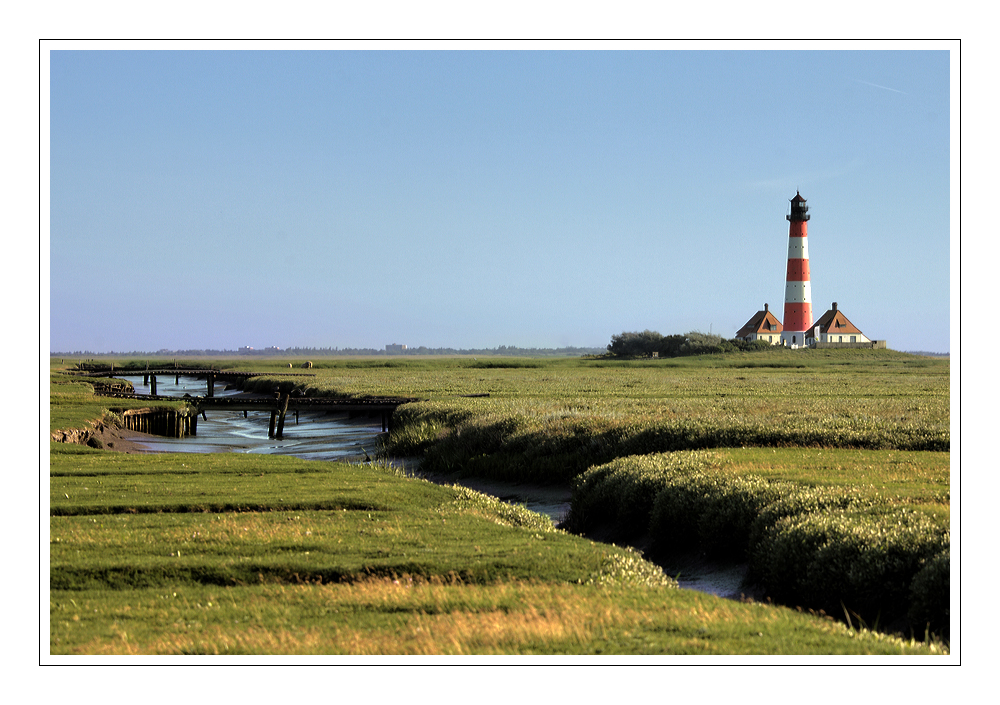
<point x="793" y="339"/>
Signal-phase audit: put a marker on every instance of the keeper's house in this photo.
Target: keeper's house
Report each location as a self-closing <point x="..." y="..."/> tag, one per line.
<point x="834" y="330"/>
<point x="763" y="326"/>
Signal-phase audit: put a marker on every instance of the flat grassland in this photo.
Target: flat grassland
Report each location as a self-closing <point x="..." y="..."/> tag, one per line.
<point x="231" y="554"/>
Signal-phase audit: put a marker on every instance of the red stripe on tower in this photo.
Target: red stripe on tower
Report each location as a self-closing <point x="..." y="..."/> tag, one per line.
<point x="798" y="294"/>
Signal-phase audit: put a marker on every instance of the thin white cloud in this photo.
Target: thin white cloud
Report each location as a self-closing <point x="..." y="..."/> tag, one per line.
<point x="885" y="88"/>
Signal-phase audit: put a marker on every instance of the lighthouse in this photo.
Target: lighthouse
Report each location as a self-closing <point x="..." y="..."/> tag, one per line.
<point x="798" y="296"/>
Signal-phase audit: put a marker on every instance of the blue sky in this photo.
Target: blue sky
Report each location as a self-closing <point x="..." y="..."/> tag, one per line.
<point x="467" y="199"/>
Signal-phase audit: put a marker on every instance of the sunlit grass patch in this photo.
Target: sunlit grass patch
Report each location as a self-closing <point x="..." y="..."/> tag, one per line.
<point x="406" y="616"/>
<point x="923" y="476"/>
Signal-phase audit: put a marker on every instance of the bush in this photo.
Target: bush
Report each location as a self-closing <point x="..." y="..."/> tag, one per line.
<point x="646" y="343"/>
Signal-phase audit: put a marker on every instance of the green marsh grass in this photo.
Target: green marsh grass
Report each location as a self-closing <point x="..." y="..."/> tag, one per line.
<point x="433" y="570"/>
<point x="275" y="544"/>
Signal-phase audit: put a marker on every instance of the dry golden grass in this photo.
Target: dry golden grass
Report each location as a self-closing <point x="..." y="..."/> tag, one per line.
<point x="407" y="617"/>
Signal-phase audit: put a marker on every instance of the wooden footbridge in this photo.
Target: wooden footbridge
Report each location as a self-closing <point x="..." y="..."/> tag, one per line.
<point x="179" y="424"/>
<point x="210" y="375"/>
<point x="282" y="404"/>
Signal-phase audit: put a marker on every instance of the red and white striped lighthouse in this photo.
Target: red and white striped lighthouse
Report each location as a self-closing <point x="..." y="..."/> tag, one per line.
<point x="798" y="295"/>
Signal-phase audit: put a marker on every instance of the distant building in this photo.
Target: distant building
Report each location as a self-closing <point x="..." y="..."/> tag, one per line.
<point x="245" y="349"/>
<point x="833" y="328"/>
<point x="395" y="348"/>
<point x="763" y="326"/>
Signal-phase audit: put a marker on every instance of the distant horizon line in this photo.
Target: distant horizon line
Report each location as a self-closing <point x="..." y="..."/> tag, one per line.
<point x="294" y="350"/>
<point x="285" y="352"/>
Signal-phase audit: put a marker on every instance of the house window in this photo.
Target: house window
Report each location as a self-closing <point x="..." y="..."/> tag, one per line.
<point x="840" y="339"/>
<point x="854" y="339"/>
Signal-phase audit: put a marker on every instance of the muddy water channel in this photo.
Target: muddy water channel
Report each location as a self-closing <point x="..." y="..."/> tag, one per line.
<point x="333" y="436"/>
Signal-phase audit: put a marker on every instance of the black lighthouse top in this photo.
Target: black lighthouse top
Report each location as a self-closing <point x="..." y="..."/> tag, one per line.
<point x="800" y="211"/>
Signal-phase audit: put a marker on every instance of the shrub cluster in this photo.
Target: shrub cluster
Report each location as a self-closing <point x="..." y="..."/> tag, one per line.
<point x="646" y="343"/>
<point x="828" y="548"/>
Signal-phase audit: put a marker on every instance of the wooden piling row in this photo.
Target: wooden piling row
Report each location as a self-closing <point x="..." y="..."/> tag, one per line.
<point x="160" y="422"/>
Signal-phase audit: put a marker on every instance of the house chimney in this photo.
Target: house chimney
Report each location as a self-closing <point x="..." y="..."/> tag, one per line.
<point x="765" y="308"/>
<point x="834" y="305"/>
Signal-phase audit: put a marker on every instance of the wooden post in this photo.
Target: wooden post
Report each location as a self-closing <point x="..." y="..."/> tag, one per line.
<point x="194" y="424"/>
<point x="281" y="416"/>
<point x="145" y="380"/>
<point x="211" y="385"/>
<point x="152" y="385"/>
<point x="270" y="428"/>
<point x="244" y="413"/>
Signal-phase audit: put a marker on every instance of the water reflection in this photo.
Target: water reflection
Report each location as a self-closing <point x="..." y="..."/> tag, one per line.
<point x="314" y="436"/>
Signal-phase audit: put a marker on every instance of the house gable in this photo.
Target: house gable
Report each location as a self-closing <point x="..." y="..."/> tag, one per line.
<point x="834" y="322"/>
<point x="761" y="323"/>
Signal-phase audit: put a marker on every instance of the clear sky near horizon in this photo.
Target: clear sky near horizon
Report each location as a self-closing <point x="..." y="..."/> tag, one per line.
<point x="471" y="199"/>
